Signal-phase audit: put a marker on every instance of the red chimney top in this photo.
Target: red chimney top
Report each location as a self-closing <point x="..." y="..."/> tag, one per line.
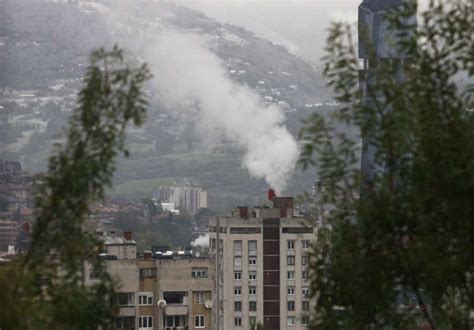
<point x="243" y="212"/>
<point x="271" y="194"/>
<point x="127" y="235"/>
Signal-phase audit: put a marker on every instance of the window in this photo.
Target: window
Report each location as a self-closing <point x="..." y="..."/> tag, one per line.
<point x="238" y="291"/>
<point x="305" y="260"/>
<point x="147" y="272"/>
<point x="199" y="321"/>
<point x="297" y="230"/>
<point x="252" y="290"/>
<point x="291" y="320"/>
<point x="252" y="260"/>
<point x="252" y="275"/>
<point x="174" y="321"/>
<point x="290" y="260"/>
<point x="304" y="275"/>
<point x="199" y="272"/>
<point x="238" y="321"/>
<point x="252" y="306"/>
<point x="237" y="262"/>
<point x="199" y="297"/>
<point x="237" y="306"/>
<point x="125" y="299"/>
<point x="290" y="275"/>
<point x="305" y="305"/>
<point x="238" y="248"/>
<point x="245" y="230"/>
<point x="305" y="244"/>
<point x="221" y="245"/>
<point x="305" y="320"/>
<point x="252" y="248"/>
<point x="290" y="244"/>
<point x="291" y="290"/>
<point x="305" y="292"/>
<point x="145" y="298"/>
<point x="253" y="321"/>
<point x="93" y="274"/>
<point x="124" y="323"/>
<point x="145" y="322"/>
<point x="237" y="276"/>
<point x="291" y="305"/>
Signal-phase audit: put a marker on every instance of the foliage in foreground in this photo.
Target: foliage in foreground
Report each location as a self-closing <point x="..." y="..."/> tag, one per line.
<point x="46" y="289"/>
<point x="401" y="256"/>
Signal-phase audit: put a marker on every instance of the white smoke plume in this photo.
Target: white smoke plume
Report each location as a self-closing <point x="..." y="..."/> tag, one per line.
<point x="185" y="69"/>
<point x="202" y="240"/>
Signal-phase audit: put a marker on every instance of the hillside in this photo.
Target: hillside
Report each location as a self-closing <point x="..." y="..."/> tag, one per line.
<point x="43" y="54"/>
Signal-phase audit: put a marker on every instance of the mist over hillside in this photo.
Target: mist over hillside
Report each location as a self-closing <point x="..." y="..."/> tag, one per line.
<point x="43" y="55"/>
<point x="299" y="25"/>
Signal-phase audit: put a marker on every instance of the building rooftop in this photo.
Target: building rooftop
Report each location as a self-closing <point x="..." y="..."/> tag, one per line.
<point x="117" y="240"/>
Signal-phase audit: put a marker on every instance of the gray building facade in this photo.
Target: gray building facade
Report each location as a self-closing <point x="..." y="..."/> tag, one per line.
<point x="262" y="266"/>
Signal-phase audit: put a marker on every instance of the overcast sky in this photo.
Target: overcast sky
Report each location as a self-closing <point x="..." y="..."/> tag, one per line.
<point x="300" y="25"/>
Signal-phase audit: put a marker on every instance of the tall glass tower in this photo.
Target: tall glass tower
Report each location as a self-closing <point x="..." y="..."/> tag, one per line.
<point x="378" y="43"/>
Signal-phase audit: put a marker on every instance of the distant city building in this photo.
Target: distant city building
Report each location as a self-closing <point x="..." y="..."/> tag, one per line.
<point x="162" y="290"/>
<point x="9" y="231"/>
<point x="262" y="261"/>
<point x="104" y="214"/>
<point x="16" y="189"/>
<point x="10" y="171"/>
<point x="169" y="207"/>
<point x="186" y="198"/>
<point x="14" y="236"/>
<point x="16" y="202"/>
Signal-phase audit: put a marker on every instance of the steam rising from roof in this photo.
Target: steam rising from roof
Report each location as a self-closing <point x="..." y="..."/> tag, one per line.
<point x="202" y="240"/>
<point x="185" y="69"/>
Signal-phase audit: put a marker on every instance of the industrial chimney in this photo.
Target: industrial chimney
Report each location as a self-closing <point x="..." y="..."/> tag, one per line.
<point x="271" y="194"/>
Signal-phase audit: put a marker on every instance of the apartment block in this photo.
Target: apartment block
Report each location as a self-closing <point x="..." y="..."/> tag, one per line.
<point x="163" y="290"/>
<point x="9" y="231"/>
<point x="186" y="198"/>
<point x="16" y="188"/>
<point x="262" y="260"/>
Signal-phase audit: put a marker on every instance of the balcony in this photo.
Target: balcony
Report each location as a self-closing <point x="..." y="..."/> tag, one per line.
<point x="176" y="310"/>
<point x="126" y="311"/>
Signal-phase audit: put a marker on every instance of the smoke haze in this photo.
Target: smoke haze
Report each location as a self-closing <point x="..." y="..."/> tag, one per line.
<point x="185" y="69"/>
<point x="202" y="241"/>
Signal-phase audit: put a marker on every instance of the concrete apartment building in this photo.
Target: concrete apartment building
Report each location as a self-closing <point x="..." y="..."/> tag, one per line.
<point x="163" y="290"/>
<point x="9" y="231"/>
<point x="263" y="258"/>
<point x="16" y="188"/>
<point x="186" y="198"/>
